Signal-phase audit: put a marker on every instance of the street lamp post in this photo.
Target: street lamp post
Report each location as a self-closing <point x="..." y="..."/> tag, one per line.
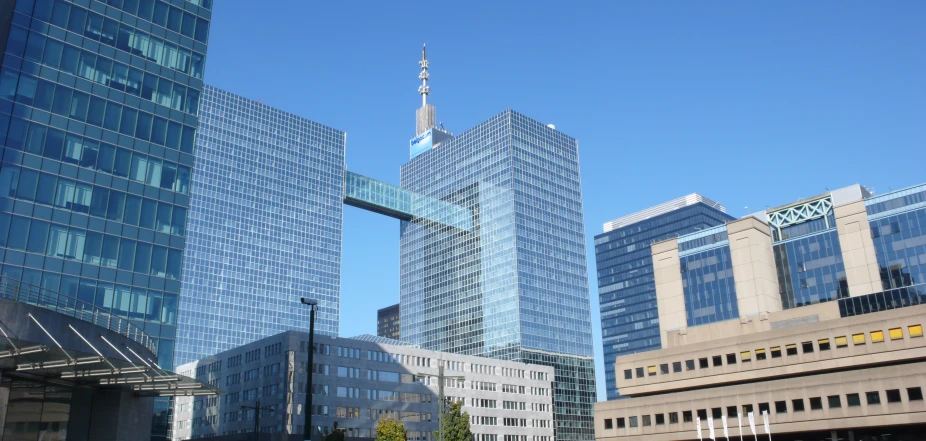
<point x="257" y="410"/>
<point x="440" y="396"/>
<point x="307" y="431"/>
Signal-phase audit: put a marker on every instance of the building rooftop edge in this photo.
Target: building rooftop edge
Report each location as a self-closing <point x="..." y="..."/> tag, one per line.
<point x="663" y="208"/>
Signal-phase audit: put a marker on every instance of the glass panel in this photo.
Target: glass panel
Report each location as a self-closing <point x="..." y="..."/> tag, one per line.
<point x="127" y="255"/>
<point x="132" y="209"/>
<point x="143" y="258"/>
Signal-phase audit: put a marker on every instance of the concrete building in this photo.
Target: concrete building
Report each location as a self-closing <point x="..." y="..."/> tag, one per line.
<point x="389" y="322"/>
<point x="359" y="380"/>
<point x="811" y="312"/>
<point x="626" y="289"/>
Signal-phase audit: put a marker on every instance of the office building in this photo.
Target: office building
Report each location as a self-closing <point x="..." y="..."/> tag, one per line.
<point x="96" y="383"/>
<point x="388" y="322"/>
<point x="264" y="226"/>
<point x="99" y="106"/>
<point x="515" y="285"/>
<point x="358" y="381"/>
<point x="812" y="312"/>
<point x="626" y="290"/>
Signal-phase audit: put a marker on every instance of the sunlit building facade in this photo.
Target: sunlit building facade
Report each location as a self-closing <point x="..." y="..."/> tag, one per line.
<point x="514" y="286"/>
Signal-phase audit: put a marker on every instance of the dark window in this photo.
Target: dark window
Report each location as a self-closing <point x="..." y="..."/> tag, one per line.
<point x="647" y="421"/>
<point x="834" y="401"/>
<point x="660" y="419"/>
<point x="914" y="394"/>
<point x="853" y="400"/>
<point x="893" y="396"/>
<point x="633" y="421"/>
<point x="797" y="405"/>
<point x="703" y="363"/>
<point x="807" y="347"/>
<point x="639" y="372"/>
<point x="824" y="344"/>
<point x="673" y="417"/>
<point x="628" y="374"/>
<point x="763" y="407"/>
<point x="676" y="366"/>
<point x="873" y="397"/>
<point x="731" y="358"/>
<point x="760" y="354"/>
<point x="791" y="349"/>
<point x="620" y="423"/>
<point x="702" y="413"/>
<point x="776" y="352"/>
<point x="664" y="368"/>
<point x="686" y="416"/>
<point x="716" y="413"/>
<point x="731" y="411"/>
<point x="718" y="360"/>
<point x="781" y="407"/>
<point x="747" y="408"/>
<point x="816" y="403"/>
<point x="608" y="423"/>
<point x="689" y="365"/>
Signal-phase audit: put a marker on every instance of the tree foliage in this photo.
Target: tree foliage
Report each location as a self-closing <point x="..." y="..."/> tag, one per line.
<point x="456" y="423"/>
<point x="388" y="429"/>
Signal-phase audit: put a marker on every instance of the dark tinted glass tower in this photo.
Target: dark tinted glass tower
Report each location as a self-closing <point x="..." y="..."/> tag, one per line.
<point x="98" y="114"/>
<point x="388" y="322"/>
<point x="626" y="288"/>
<point x="515" y="286"/>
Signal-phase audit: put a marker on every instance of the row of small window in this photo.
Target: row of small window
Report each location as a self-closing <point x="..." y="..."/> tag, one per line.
<point x="49" y="189"/>
<point x="252" y="355"/>
<point x="273" y="349"/>
<point x="781" y="407"/>
<point x="91" y="154"/>
<point x="90" y="247"/>
<point x="166" y="16"/>
<point x="121" y="36"/>
<point x="823" y="344"/>
<point x="95" y="111"/>
<point x="113" y="74"/>
<point x="215" y="366"/>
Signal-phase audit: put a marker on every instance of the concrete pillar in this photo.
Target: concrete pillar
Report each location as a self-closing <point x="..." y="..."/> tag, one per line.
<point x="79" y="419"/>
<point x="754" y="269"/>
<point x="670" y="295"/>
<point x="111" y="415"/>
<point x="858" y="249"/>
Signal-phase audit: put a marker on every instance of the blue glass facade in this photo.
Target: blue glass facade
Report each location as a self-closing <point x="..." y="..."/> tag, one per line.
<point x="707" y="277"/>
<point x="99" y="105"/>
<point x="516" y="286"/>
<point x="264" y="226"/>
<point x="898" y="230"/>
<point x="626" y="288"/>
<point x="809" y="263"/>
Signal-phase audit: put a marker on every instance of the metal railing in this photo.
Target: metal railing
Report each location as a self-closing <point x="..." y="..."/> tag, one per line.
<point x="19" y="291"/>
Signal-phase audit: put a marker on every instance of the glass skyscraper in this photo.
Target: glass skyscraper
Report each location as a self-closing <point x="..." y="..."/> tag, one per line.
<point x="514" y="286"/>
<point x="626" y="287"/>
<point x="99" y="105"/>
<point x="264" y="226"/>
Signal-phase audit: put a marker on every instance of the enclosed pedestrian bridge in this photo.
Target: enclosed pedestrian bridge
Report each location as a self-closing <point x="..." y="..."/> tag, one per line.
<point x="380" y="197"/>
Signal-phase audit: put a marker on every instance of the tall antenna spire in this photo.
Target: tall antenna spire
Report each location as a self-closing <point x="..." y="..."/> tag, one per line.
<point x="424" y="89"/>
<point x="425" y="118"/>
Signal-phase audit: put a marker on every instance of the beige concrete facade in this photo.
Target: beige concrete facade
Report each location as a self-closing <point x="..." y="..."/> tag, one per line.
<point x="753" y="267"/>
<point x="670" y="296"/>
<point x="805" y="357"/>
<point x="858" y="250"/>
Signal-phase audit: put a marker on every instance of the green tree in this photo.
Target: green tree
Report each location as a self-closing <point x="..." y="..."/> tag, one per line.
<point x="456" y="423"/>
<point x="388" y="429"/>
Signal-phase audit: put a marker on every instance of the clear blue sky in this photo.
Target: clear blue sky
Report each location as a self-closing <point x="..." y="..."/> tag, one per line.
<point x="748" y="103"/>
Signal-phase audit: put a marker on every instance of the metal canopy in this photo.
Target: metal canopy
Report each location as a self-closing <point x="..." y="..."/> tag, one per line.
<point x="89" y="368"/>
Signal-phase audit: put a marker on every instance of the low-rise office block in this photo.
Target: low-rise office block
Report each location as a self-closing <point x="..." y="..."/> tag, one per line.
<point x="358" y="381"/>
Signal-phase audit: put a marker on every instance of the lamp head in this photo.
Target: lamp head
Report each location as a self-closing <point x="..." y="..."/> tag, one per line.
<point x="310" y="302"/>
